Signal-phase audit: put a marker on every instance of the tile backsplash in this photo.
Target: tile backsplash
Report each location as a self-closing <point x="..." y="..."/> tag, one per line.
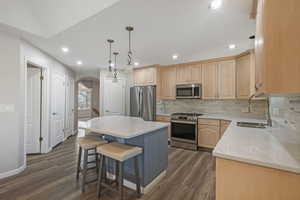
<point x="234" y="108"/>
<point x="286" y="109"/>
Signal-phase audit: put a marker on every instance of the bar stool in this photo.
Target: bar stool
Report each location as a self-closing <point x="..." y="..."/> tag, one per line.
<point x="119" y="153"/>
<point x="87" y="143"/>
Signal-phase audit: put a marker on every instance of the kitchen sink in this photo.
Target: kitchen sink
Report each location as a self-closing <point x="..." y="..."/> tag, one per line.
<point x="251" y="125"/>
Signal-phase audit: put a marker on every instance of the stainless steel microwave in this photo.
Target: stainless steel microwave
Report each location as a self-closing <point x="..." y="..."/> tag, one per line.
<point x="189" y="91"/>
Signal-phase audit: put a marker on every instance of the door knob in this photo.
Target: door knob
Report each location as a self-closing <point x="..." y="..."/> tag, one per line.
<point x="54" y="113"/>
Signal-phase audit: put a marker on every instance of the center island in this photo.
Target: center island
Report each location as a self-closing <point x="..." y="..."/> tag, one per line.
<point x="149" y="135"/>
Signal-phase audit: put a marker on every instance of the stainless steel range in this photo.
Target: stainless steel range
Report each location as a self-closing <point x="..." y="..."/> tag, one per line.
<point x="184" y="130"/>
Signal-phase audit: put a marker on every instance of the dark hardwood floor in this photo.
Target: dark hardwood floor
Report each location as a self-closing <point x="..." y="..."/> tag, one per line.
<point x="190" y="176"/>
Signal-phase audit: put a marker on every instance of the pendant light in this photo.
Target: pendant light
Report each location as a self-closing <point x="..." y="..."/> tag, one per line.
<point x="115" y="73"/>
<point x="129" y="59"/>
<point x="110" y="41"/>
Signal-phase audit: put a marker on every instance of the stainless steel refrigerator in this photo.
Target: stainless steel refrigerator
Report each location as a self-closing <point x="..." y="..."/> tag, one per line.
<point x="143" y="102"/>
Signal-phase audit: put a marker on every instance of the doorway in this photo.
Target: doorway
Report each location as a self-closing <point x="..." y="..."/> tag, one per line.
<point x="34" y="109"/>
<point x="88" y="98"/>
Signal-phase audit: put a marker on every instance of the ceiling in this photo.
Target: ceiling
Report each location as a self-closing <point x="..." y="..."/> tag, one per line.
<point x="162" y="28"/>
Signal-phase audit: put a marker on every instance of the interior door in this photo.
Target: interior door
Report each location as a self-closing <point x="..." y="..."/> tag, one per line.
<point x="58" y="108"/>
<point x="33" y="110"/>
<point x="69" y="121"/>
<point x="114" y="97"/>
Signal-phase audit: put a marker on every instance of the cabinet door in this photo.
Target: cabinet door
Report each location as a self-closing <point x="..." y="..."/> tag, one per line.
<point x="196" y="71"/>
<point x="259" y="48"/>
<point x="183" y="74"/>
<point x="243" y="75"/>
<point x="226" y="79"/>
<point x="167" y="82"/>
<point x="139" y="76"/>
<point x="161" y="118"/>
<point x="208" y="135"/>
<point x="209" y="81"/>
<point x="150" y="76"/>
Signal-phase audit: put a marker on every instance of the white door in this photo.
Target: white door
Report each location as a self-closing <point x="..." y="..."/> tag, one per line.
<point x="69" y="125"/>
<point x="114" y="97"/>
<point x="58" y="108"/>
<point x="33" y="110"/>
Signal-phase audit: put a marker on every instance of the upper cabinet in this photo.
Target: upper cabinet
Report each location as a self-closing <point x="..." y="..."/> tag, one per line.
<point x="183" y="74"/>
<point x="226" y="79"/>
<point x="277" y="47"/>
<point x="188" y="73"/>
<point x="210" y="80"/>
<point x="167" y="83"/>
<point x="245" y="75"/>
<point x="145" y="76"/>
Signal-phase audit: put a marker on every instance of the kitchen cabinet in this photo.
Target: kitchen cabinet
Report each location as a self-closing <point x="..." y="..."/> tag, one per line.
<point x="226" y="79"/>
<point x="245" y="76"/>
<point x="224" y="125"/>
<point x="196" y="73"/>
<point x="162" y="118"/>
<point x="277" y="47"/>
<point x="183" y="74"/>
<point x="208" y="132"/>
<point x="210" y="80"/>
<point x="145" y="76"/>
<point x="167" y="84"/>
<point x="242" y="181"/>
<point x="188" y="73"/>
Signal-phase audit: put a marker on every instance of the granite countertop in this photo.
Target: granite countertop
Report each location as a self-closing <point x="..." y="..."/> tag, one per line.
<point x="121" y="126"/>
<point x="275" y="147"/>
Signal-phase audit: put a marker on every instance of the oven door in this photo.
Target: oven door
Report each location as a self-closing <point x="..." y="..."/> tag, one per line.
<point x="184" y="131"/>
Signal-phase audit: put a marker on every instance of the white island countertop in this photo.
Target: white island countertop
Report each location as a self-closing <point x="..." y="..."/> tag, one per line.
<point x="275" y="147"/>
<point x="122" y="126"/>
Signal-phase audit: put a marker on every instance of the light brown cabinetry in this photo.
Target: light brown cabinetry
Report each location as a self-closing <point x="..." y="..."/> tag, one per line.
<point x="277" y="47"/>
<point x="183" y="74"/>
<point x="167" y="84"/>
<point x="241" y="181"/>
<point x="210" y="80"/>
<point x="188" y="73"/>
<point x="145" y="76"/>
<point x="226" y="79"/>
<point x="208" y="132"/>
<point x="243" y="76"/>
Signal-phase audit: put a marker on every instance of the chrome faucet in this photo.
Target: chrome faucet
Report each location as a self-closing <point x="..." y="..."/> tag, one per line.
<point x="269" y="119"/>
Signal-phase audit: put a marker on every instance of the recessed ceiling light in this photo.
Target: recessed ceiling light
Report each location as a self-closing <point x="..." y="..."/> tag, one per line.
<point x="136" y="64"/>
<point x="232" y="46"/>
<point x="215" y="4"/>
<point x="79" y="62"/>
<point x="175" y="57"/>
<point x="65" y="49"/>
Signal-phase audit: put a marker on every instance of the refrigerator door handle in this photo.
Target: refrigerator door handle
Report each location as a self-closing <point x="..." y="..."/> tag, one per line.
<point x="140" y="103"/>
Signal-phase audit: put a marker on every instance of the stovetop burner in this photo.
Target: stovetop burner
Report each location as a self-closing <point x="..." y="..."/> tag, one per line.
<point x="185" y="116"/>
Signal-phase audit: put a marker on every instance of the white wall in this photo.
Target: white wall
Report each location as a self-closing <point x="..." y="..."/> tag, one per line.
<point x="11" y="123"/>
<point x="13" y="53"/>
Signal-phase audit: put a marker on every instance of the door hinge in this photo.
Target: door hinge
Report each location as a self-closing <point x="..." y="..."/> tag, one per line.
<point x="42" y="78"/>
<point x="41" y="139"/>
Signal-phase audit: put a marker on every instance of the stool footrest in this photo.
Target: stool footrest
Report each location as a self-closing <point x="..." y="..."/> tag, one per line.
<point x="109" y="187"/>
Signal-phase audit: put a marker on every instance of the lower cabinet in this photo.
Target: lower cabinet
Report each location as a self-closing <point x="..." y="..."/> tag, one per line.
<point x="210" y="131"/>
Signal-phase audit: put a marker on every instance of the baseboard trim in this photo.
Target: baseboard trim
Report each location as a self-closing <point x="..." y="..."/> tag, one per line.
<point x="144" y="190"/>
<point x="13" y="172"/>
